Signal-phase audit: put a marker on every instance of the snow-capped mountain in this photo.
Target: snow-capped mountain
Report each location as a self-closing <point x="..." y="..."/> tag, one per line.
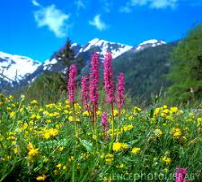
<point x="14" y="68"/>
<point x="85" y="52"/>
<point x="102" y="46"/>
<point x="149" y="43"/>
<point x="17" y="69"/>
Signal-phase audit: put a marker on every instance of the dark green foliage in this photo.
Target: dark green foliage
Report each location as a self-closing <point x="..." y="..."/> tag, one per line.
<point x="67" y="57"/>
<point x="145" y="71"/>
<point x="47" y="88"/>
<point x="186" y="71"/>
<point x="51" y="86"/>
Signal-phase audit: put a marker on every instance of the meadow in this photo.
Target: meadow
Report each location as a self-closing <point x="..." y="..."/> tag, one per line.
<point x="79" y="140"/>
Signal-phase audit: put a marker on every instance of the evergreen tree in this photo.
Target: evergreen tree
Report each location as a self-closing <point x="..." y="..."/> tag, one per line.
<point x="67" y="57"/>
<point x="186" y="70"/>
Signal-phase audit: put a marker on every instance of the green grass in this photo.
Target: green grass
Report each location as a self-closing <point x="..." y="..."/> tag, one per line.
<point x="43" y="143"/>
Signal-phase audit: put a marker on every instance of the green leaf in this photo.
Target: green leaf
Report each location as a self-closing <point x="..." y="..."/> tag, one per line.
<point x="87" y="145"/>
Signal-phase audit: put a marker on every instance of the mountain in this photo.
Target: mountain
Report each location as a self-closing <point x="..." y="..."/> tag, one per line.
<point x="15" y="68"/>
<point x="145" y="71"/>
<point x="12" y="67"/>
<point x="149" y="43"/>
<point x="95" y="45"/>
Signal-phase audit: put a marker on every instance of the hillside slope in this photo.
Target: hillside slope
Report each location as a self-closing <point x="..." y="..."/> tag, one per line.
<point x="145" y="71"/>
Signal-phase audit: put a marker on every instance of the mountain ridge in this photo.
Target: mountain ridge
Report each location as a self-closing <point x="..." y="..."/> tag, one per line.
<point x="12" y="67"/>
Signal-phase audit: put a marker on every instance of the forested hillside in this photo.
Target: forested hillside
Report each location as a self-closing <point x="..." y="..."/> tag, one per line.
<point x="145" y="71"/>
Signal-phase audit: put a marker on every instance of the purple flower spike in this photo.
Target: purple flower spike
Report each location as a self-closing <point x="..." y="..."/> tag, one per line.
<point x="94" y="79"/>
<point x="72" y="82"/>
<point x="120" y="90"/>
<point x="180" y="174"/>
<point x="108" y="78"/>
<point x="104" y="122"/>
<point x="85" y="91"/>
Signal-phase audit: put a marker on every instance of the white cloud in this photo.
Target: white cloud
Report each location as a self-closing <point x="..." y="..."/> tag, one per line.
<point x="125" y="9"/>
<point x="139" y="2"/>
<point x="35" y="3"/>
<point x="164" y="4"/>
<point x="98" y="23"/>
<point x="156" y="4"/>
<point x="80" y="4"/>
<point x="54" y="19"/>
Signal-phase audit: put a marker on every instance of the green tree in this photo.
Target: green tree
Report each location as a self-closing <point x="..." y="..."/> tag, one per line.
<point x="186" y="69"/>
<point x="66" y="56"/>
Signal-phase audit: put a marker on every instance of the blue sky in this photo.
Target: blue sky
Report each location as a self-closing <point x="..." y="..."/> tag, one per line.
<point x="37" y="28"/>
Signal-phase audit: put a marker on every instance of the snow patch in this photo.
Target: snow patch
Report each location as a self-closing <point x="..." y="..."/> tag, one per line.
<point x="15" y="67"/>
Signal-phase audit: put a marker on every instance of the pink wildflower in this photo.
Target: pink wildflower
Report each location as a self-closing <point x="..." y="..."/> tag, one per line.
<point x="94" y="79"/>
<point x="72" y="82"/>
<point x="104" y="122"/>
<point x="84" y="91"/>
<point x="120" y="89"/>
<point x="180" y="174"/>
<point x="108" y="78"/>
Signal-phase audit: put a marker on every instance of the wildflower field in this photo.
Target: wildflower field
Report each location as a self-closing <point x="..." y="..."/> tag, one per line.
<point x="77" y="140"/>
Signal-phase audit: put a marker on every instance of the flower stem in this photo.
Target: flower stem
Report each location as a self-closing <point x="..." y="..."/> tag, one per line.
<point x="118" y="124"/>
<point x="112" y="109"/>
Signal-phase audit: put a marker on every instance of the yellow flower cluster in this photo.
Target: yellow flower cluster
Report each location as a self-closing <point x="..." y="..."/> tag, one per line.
<point x="32" y="152"/>
<point x="109" y="157"/>
<point x="135" y="150"/>
<point x="48" y="133"/>
<point x="119" y="146"/>
<point x="165" y="112"/>
<point x="158" y="132"/>
<point x="127" y="127"/>
<point x="176" y="132"/>
<point x="166" y="159"/>
<point x="41" y="178"/>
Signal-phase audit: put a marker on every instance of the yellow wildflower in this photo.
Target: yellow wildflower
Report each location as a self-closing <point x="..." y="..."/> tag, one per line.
<point x="115" y="112"/>
<point x="128" y="127"/>
<point x="12" y="114"/>
<point x="34" y="102"/>
<point x="30" y="146"/>
<point x="173" y="110"/>
<point x="98" y="113"/>
<point x="41" y="178"/>
<point x="167" y="160"/>
<point x="124" y="145"/>
<point x="130" y="118"/>
<point x="48" y="121"/>
<point x="156" y="112"/>
<point x="176" y="132"/>
<point x="119" y="146"/>
<point x="109" y="158"/>
<point x="22" y="97"/>
<point x="59" y="166"/>
<point x="46" y="135"/>
<point x="158" y="132"/>
<point x="15" y="150"/>
<point x="116" y="146"/>
<point x="71" y="159"/>
<point x="120" y="166"/>
<point x="71" y="118"/>
<point x="61" y="148"/>
<point x="85" y="113"/>
<point x="10" y="97"/>
<point x="135" y="150"/>
<point x="33" y="152"/>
